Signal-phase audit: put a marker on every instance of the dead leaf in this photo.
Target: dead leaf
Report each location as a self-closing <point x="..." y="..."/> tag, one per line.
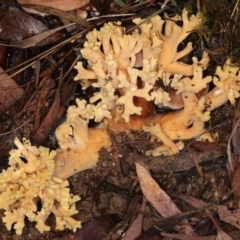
<point x="62" y="14"/>
<point x="203" y="152"/>
<point x="236" y="134"/>
<point x="168" y="223"/>
<point x="55" y="113"/>
<point x="136" y="227"/>
<point x="186" y="237"/>
<point x="197" y="166"/>
<point x="94" y="230"/>
<point x="158" y="198"/>
<point x="3" y="54"/>
<point x="227" y="216"/>
<point x="35" y="40"/>
<point x="233" y="163"/>
<point x="231" y="217"/>
<point x="17" y="25"/>
<point x="221" y="235"/>
<point x="235" y="235"/>
<point x="235" y="181"/>
<point x="151" y="234"/>
<point x="194" y="202"/>
<point x="10" y="92"/>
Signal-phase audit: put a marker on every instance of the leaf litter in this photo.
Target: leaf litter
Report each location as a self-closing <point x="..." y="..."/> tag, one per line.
<point x="164" y="183"/>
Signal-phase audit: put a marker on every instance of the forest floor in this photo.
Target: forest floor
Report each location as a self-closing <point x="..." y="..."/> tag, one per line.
<point x="198" y="180"/>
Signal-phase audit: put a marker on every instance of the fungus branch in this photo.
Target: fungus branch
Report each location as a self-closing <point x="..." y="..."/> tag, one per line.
<point x="79" y="145"/>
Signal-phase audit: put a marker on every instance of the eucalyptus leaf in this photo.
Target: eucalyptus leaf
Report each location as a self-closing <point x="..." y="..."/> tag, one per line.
<point x="32" y="41"/>
<point x="120" y="3"/>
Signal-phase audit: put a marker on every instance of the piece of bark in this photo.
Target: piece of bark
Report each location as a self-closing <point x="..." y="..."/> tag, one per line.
<point x="10" y="92"/>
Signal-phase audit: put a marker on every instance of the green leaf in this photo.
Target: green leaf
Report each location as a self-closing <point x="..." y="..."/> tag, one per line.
<point x="120" y="3"/>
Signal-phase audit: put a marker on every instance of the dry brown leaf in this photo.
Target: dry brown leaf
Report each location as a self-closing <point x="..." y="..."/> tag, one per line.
<point x="35" y="40"/>
<point x="197" y="166"/>
<point x="235" y="181"/>
<point x="61" y="14"/>
<point x="233" y="162"/>
<point x="3" y="54"/>
<point x="17" y="25"/>
<point x="10" y="92"/>
<point x="136" y="227"/>
<point x="94" y="230"/>
<point x="158" y="198"/>
<point x="203" y="152"/>
<point x="151" y="234"/>
<point x="194" y="202"/>
<point x="187" y="237"/>
<point x="55" y="114"/>
<point x="231" y="217"/>
<point x="235" y="235"/>
<point x="154" y="194"/>
<point x="236" y="133"/>
<point x="221" y="235"/>
<point x="167" y="224"/>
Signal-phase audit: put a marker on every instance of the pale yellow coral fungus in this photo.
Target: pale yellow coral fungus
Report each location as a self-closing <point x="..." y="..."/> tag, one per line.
<point x="227" y="82"/>
<point x="29" y="180"/>
<point x="174" y="35"/>
<point x="139" y="61"/>
<point x="114" y="67"/>
<point x="112" y="54"/>
<point x="79" y="145"/>
<point x="131" y="72"/>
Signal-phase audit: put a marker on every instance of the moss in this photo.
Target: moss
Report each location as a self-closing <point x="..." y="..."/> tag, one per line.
<point x="220" y="27"/>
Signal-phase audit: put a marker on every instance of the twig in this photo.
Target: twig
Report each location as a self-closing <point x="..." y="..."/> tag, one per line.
<point x="231" y="17"/>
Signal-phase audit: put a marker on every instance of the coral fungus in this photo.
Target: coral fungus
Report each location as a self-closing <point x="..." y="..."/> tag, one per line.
<point x="29" y="180"/>
<point x="126" y="68"/>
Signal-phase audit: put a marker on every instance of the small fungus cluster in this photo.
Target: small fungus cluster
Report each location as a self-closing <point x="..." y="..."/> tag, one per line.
<point x="132" y="72"/>
<point x="28" y="182"/>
